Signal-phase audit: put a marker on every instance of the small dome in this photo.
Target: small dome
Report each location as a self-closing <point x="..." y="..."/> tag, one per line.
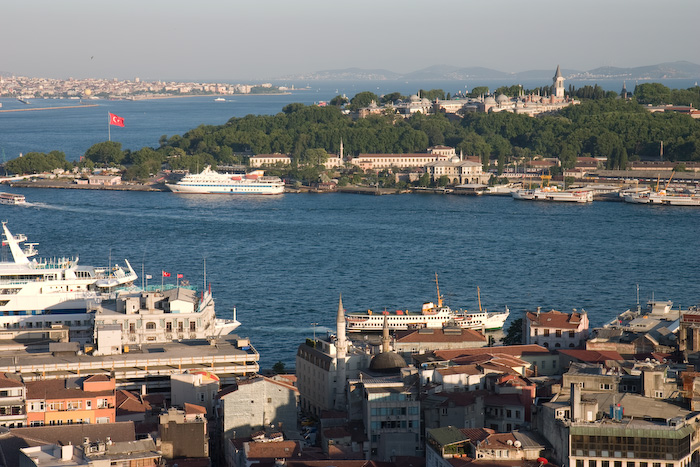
<point x="415" y="98"/>
<point x="502" y="98"/>
<point x="387" y="362"/>
<point x="490" y="101"/>
<point x="425" y="101"/>
<point x="455" y="159"/>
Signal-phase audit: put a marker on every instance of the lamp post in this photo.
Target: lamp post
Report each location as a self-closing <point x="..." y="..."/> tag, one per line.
<point x="314" y="326"/>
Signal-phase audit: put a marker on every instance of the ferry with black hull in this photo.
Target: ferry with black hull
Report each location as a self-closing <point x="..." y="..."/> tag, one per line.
<point x="431" y="316"/>
<point x="212" y="182"/>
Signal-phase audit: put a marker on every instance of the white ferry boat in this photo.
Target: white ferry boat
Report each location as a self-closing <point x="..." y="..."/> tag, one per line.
<point x="12" y="198"/>
<point x="571" y="196"/>
<point x="210" y="181"/>
<point x="663" y="198"/>
<point x="431" y="316"/>
<point x="553" y="194"/>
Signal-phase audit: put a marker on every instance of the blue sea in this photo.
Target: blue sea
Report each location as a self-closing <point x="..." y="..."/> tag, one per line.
<point x="283" y="261"/>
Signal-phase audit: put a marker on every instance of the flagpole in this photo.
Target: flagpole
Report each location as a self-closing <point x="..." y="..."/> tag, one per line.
<point x="162" y="281"/>
<point x="109" y="128"/>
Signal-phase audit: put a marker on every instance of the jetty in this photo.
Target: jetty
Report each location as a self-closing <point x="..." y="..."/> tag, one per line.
<point x="34" y="109"/>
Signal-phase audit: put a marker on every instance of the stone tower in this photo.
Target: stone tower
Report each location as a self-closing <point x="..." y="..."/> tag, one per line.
<point x="558" y="84"/>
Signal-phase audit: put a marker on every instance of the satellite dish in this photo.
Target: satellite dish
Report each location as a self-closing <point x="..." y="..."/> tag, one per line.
<point x="517" y="444"/>
<point x="509" y="442"/>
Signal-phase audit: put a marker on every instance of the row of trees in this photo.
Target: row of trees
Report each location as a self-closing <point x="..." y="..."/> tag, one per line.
<point x="621" y="130"/>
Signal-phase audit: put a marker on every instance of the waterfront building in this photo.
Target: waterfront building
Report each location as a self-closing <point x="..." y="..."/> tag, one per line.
<point x="65" y="401"/>
<point x="270" y="160"/>
<point x="156" y="316"/>
<point x="148" y="365"/>
<point x="458" y="171"/>
<point x="554" y="329"/>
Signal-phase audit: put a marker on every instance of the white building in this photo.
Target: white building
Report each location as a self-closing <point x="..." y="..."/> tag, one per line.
<point x="555" y="329"/>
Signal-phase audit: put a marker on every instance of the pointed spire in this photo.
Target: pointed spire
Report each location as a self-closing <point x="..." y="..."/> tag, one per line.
<point x="340" y="327"/>
<point x="558" y="73"/>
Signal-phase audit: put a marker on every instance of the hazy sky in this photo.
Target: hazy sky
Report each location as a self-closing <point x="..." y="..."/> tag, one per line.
<point x="253" y="40"/>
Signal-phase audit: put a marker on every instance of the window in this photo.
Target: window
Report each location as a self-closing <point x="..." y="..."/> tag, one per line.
<point x="572" y="334"/>
<point x="169" y="327"/>
<point x="546" y="332"/>
<point x="150" y="326"/>
<point x="558" y="332"/>
<point x="193" y="326"/>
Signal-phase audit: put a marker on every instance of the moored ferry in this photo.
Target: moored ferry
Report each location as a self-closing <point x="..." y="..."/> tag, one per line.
<point x="211" y="181"/>
<point x="431" y="316"/>
<point x="12" y="198"/>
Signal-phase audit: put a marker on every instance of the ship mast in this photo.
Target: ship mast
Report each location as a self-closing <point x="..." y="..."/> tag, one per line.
<point x="438" y="291"/>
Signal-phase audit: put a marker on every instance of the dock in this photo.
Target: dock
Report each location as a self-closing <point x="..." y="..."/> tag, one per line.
<point x="34" y="109"/>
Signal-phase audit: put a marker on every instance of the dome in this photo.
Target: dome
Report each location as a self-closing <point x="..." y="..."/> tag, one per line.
<point x="502" y="98"/>
<point x="455" y="159"/>
<point x="415" y="98"/>
<point x="425" y="101"/>
<point x="387" y="362"/>
<point x="490" y="101"/>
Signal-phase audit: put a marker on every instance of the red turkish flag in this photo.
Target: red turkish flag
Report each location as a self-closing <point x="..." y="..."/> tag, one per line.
<point x="116" y="120"/>
<point x="166" y="274"/>
<point x="180" y="276"/>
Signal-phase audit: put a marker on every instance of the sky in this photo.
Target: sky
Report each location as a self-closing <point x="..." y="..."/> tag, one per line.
<point x="230" y="40"/>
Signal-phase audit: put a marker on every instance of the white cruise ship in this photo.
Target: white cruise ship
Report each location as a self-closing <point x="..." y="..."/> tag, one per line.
<point x="210" y="181"/>
<point x="39" y="293"/>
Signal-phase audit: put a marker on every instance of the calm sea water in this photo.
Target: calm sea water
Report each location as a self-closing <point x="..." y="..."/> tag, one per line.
<point x="283" y="261"/>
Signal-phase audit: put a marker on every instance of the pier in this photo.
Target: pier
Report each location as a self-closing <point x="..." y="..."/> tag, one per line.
<point x="33" y="109"/>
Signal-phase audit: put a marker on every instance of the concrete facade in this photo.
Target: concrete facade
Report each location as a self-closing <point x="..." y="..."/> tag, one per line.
<point x="257" y="403"/>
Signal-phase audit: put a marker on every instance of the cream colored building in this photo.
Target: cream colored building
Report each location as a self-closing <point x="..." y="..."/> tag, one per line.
<point x="458" y="171"/>
<point x="269" y="160"/>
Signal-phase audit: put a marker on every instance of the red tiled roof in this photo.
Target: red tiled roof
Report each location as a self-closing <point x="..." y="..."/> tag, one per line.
<point x="439" y="335"/>
<point x="592" y="356"/>
<point x="513" y="350"/>
<point x="555" y="319"/>
<point x="97" y="378"/>
<point x="460" y="370"/>
<point x="128" y="402"/>
<point x="276" y="450"/>
<point x="56" y="389"/>
<point x="477" y="434"/>
<point x="6" y="382"/>
<point x="191" y="409"/>
<point x="414" y="155"/>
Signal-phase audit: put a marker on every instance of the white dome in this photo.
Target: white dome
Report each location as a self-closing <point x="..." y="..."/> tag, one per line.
<point x="502" y="98"/>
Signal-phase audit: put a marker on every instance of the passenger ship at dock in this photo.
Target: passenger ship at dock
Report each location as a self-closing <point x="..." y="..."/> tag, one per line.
<point x="38" y="295"/>
<point x="430" y="316"/>
<point x="211" y="181"/>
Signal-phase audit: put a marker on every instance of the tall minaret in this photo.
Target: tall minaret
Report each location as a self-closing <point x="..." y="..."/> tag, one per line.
<point x="558" y="84"/>
<point x="341" y="350"/>
<point x="341" y="149"/>
<point x="385" y="336"/>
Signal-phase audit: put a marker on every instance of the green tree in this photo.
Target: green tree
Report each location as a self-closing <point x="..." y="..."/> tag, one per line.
<point x="278" y="368"/>
<point x="479" y="91"/>
<point x="392" y="97"/>
<point x="424" y="180"/>
<point x="514" y="333"/>
<point x="108" y="153"/>
<point x="362" y="100"/>
<point x="652" y="93"/>
<point x="339" y="101"/>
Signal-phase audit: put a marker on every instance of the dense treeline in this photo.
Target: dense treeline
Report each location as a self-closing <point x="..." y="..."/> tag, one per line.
<point x="601" y="125"/>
